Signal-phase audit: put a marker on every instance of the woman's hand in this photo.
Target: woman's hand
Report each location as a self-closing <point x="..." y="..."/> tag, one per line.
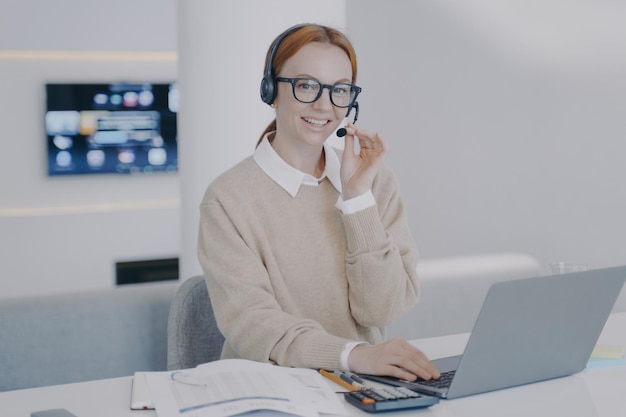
<point x="396" y="357"/>
<point x="358" y="171"/>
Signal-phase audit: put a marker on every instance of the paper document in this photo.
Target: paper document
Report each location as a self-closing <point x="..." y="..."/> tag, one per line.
<point x="234" y="386"/>
<point x="606" y="355"/>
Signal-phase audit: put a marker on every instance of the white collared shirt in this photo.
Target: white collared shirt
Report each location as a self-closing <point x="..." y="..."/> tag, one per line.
<point x="290" y="179"/>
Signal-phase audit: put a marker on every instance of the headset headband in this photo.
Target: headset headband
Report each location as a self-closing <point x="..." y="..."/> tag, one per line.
<point x="268" y="83"/>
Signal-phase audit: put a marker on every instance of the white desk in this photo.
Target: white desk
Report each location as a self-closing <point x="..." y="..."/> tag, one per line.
<point x="592" y="393"/>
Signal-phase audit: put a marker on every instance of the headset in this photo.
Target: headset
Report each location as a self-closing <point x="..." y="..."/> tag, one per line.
<point x="268" y="82"/>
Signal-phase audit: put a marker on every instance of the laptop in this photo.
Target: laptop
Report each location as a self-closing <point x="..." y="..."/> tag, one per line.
<point x="528" y="330"/>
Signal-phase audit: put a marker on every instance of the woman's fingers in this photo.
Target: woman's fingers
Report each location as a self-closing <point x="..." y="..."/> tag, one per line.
<point x="396" y="358"/>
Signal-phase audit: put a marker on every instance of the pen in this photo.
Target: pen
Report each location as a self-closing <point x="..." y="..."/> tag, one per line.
<point x="350" y="379"/>
<point x="338" y="380"/>
<point x="344" y="376"/>
<point x="357" y="378"/>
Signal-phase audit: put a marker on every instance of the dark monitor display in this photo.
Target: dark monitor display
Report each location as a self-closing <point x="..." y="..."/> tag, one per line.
<point x="119" y="128"/>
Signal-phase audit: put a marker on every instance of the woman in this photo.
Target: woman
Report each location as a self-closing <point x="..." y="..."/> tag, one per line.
<point x="306" y="250"/>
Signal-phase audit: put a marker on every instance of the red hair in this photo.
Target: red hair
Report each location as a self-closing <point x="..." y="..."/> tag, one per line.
<point x="300" y="37"/>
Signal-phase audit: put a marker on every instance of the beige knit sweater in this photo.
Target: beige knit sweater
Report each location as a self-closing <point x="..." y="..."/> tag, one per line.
<point x="292" y="280"/>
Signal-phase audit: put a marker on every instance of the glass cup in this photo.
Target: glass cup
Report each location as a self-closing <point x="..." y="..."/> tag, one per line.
<point x="567" y="267"/>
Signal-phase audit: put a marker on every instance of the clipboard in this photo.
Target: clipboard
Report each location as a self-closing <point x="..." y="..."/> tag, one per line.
<point x="140" y="398"/>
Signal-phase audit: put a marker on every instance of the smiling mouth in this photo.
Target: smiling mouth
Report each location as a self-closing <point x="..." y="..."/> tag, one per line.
<point x="315" y="122"/>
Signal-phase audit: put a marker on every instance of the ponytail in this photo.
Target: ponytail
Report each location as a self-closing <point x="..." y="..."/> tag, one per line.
<point x="270" y="128"/>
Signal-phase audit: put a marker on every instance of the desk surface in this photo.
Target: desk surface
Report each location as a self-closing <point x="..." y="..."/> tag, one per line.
<point x="591" y="393"/>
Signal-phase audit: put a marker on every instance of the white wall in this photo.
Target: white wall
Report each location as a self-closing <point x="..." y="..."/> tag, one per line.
<point x="506" y="122"/>
<point x="60" y="234"/>
<point x="112" y="25"/>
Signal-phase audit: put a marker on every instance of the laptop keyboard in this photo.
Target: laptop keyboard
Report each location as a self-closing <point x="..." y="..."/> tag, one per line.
<point x="443" y="381"/>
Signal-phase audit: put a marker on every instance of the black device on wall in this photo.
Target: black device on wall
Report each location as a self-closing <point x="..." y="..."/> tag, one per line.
<point x="149" y="270"/>
<point x="111" y="128"/>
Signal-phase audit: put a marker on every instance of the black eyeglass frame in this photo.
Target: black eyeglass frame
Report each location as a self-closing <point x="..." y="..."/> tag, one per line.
<point x="353" y="88"/>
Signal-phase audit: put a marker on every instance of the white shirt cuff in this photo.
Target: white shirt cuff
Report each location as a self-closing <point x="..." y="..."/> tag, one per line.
<point x="355" y="204"/>
<point x="346" y="352"/>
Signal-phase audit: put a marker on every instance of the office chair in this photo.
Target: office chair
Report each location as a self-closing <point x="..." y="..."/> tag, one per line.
<point x="193" y="337"/>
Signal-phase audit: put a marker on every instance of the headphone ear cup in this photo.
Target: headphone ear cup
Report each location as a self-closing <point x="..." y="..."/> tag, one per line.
<point x="268" y="89"/>
<point x="268" y="83"/>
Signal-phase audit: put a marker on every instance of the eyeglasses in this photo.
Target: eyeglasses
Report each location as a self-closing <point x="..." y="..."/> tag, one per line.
<point x="308" y="90"/>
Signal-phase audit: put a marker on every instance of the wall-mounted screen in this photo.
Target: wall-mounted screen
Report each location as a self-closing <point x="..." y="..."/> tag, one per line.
<point x="118" y="128"/>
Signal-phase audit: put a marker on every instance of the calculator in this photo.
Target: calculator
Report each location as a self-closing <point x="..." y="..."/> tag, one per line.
<point x="378" y="399"/>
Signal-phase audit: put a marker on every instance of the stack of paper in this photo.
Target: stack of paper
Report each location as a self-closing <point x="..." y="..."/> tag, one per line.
<point x="606" y="355"/>
<point x="233" y="386"/>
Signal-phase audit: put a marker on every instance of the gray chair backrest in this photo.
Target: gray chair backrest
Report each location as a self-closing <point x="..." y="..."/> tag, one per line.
<point x="193" y="337"/>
